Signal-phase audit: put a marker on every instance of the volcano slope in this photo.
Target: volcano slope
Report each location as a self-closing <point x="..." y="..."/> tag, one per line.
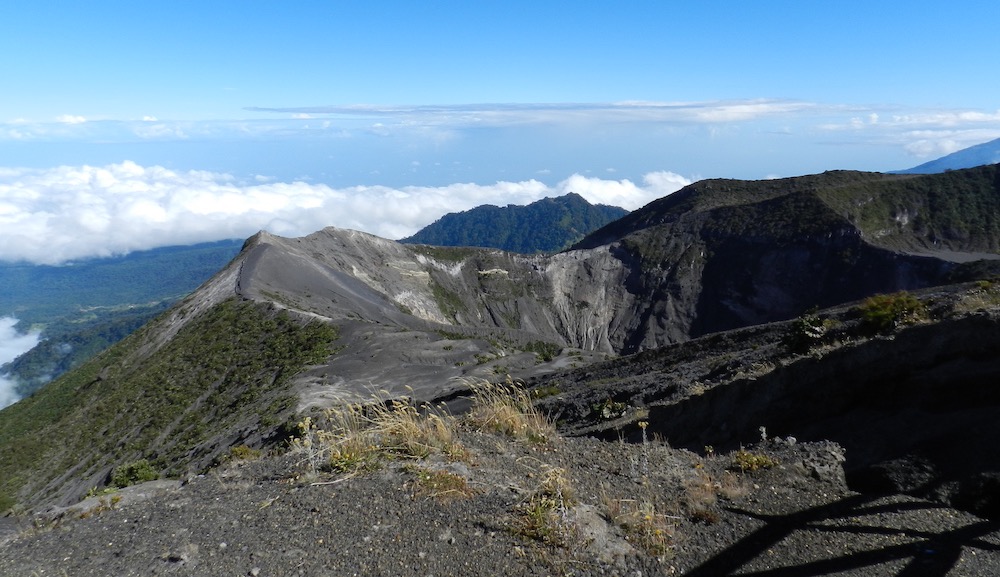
<point x="229" y="365"/>
<point x="530" y="503"/>
<point x="296" y="325"/>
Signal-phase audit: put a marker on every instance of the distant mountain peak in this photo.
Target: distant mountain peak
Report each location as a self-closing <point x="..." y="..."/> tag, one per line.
<point x="546" y="225"/>
<point x="978" y="155"/>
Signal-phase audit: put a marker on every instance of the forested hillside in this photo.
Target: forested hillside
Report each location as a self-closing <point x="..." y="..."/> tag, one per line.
<point x="548" y="225"/>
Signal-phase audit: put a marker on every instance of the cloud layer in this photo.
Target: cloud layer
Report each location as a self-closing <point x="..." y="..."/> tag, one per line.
<point x="50" y="216"/>
<point x="916" y="131"/>
<point x="12" y="345"/>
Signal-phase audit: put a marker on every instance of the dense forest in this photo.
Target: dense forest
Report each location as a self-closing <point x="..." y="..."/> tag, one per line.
<point x="83" y="307"/>
<point x="547" y="225"/>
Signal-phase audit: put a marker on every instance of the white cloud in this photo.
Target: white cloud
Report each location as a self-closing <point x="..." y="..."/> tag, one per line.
<point x="72" y="212"/>
<point x="947" y="118"/>
<point x="70" y="119"/>
<point x="12" y="345"/>
<point x="926" y="148"/>
<point x="623" y="193"/>
<point x="159" y="131"/>
<point x="934" y="143"/>
<point x="675" y="127"/>
<point x="507" y="114"/>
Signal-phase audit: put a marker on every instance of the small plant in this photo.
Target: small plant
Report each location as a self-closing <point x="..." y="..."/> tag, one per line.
<point x="883" y="313"/>
<point x="104" y="504"/>
<point x="244" y="453"/>
<point x="133" y="473"/>
<point x="311" y="441"/>
<point x="644" y="463"/>
<point x="732" y="487"/>
<point x="544" y="515"/>
<point x="95" y="492"/>
<point x="440" y="485"/>
<point x="986" y="295"/>
<point x="545" y="392"/>
<point x="544" y="352"/>
<point x="609" y="410"/>
<point x="700" y="497"/>
<point x="805" y="332"/>
<point x="644" y="526"/>
<point x="748" y="462"/>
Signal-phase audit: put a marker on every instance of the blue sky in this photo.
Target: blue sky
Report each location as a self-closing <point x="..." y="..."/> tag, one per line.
<point x="126" y="125"/>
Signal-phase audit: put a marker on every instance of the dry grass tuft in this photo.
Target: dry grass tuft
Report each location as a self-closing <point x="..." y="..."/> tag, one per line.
<point x="440" y="485"/>
<point x="700" y="497"/>
<point x="506" y="408"/>
<point x="405" y="431"/>
<point x="732" y="487"/>
<point x="645" y="527"/>
<point x="355" y="437"/>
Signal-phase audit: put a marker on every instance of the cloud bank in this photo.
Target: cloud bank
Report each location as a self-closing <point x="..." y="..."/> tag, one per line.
<point x="917" y="131"/>
<point x="12" y="345"/>
<point x="50" y="216"/>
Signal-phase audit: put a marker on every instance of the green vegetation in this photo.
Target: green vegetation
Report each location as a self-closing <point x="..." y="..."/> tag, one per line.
<point x="219" y="371"/>
<point x="450" y="303"/>
<point x="446" y="253"/>
<point x="883" y="313"/>
<point x="548" y="225"/>
<point x="133" y="473"/>
<point x="952" y="210"/>
<point x="783" y="219"/>
<point x="545" y="392"/>
<point x="244" y="453"/>
<point x="68" y="344"/>
<point x="40" y="294"/>
<point x="609" y="410"/>
<point x="545" y="351"/>
<point x="86" y="306"/>
<point x="544" y="515"/>
<point x="806" y="332"/>
<point x="440" y="485"/>
<point x="746" y="461"/>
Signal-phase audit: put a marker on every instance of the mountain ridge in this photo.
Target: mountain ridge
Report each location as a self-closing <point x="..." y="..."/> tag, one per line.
<point x="977" y="155"/>
<point x="414" y="320"/>
<point x="546" y="225"/>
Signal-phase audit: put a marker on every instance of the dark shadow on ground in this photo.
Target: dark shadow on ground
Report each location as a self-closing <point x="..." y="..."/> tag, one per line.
<point x="929" y="554"/>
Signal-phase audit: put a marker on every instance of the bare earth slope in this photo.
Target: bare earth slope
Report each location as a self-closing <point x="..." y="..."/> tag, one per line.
<point x="261" y="518"/>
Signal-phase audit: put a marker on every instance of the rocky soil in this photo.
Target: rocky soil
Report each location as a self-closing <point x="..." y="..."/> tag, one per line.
<point x="914" y="407"/>
<point x="621" y="509"/>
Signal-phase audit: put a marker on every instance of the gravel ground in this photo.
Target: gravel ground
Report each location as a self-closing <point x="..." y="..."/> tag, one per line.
<point x="267" y="518"/>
